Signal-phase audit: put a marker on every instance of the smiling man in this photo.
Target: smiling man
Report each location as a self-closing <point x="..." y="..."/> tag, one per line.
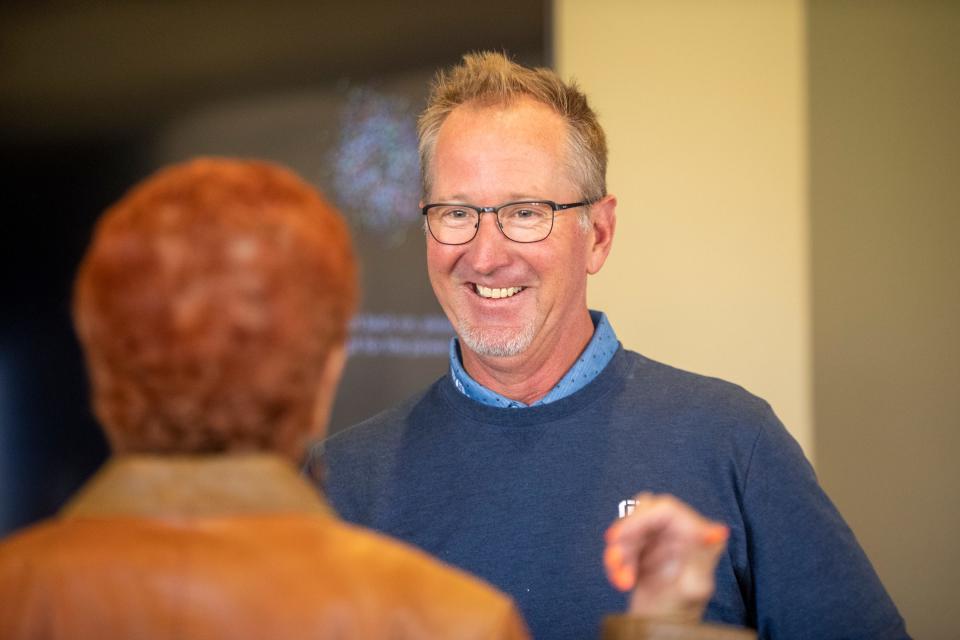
<point x="514" y="465"/>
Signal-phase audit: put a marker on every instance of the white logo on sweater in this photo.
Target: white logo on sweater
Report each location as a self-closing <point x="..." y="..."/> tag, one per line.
<point x="626" y="507"/>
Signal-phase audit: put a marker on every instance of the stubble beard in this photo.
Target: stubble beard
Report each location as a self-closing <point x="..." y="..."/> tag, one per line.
<point x="494" y="343"/>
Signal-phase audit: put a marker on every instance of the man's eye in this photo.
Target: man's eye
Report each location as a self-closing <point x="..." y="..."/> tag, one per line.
<point x="455" y="214"/>
<point x="526" y="214"/>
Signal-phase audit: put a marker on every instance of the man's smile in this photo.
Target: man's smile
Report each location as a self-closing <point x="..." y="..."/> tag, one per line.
<point x="496" y="292"/>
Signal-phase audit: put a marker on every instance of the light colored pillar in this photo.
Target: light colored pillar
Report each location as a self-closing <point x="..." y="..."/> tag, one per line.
<point x="704" y="108"/>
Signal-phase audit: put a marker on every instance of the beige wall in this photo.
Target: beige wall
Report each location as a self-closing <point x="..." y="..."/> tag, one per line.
<point x="885" y="211"/>
<point x="703" y="104"/>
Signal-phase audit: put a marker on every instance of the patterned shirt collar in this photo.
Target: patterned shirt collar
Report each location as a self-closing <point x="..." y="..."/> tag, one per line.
<point x="600" y="350"/>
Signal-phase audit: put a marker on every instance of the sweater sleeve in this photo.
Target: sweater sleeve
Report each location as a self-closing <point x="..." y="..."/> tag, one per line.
<point x="810" y="577"/>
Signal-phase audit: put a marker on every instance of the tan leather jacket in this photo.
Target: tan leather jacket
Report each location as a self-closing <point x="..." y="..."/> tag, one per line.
<point x="228" y="547"/>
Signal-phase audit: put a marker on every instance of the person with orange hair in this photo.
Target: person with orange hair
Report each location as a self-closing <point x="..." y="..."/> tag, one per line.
<point x="212" y="306"/>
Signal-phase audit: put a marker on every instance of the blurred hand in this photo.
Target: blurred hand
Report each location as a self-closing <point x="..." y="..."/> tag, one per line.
<point x="667" y="554"/>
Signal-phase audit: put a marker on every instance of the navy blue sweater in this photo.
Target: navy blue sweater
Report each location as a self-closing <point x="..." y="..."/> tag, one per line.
<point x="521" y="498"/>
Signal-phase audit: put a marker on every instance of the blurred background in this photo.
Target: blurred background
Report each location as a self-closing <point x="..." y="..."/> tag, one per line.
<point x="789" y="210"/>
<point x="95" y="96"/>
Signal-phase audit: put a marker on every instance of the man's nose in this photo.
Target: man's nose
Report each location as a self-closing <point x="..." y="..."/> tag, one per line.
<point x="489" y="249"/>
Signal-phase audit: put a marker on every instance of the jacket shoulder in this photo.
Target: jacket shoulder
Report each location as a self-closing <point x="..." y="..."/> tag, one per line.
<point x="451" y="602"/>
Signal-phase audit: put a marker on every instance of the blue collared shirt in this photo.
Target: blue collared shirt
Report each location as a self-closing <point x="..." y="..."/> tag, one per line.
<point x="588" y="366"/>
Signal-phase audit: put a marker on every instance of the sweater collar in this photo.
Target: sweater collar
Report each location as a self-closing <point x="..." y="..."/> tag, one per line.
<point x="595" y="357"/>
<point x="622" y="365"/>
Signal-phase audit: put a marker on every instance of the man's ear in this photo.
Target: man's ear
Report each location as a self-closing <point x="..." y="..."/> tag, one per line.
<point x="603" y="222"/>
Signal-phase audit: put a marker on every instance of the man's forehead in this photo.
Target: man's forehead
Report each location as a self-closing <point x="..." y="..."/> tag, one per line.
<point x="531" y="129"/>
<point x="514" y="151"/>
<point x="506" y="110"/>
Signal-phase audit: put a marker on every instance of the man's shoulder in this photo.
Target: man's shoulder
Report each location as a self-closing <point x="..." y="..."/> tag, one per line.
<point x="366" y="452"/>
<point x="386" y="427"/>
<point x="681" y="387"/>
<point x="674" y="403"/>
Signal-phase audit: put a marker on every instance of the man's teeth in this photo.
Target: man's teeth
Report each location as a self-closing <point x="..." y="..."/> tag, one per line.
<point x="504" y="292"/>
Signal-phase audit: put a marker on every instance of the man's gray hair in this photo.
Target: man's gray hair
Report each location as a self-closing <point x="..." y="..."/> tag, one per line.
<point x="490" y="78"/>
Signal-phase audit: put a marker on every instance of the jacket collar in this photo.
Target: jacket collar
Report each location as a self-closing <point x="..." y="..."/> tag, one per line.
<point x="185" y="486"/>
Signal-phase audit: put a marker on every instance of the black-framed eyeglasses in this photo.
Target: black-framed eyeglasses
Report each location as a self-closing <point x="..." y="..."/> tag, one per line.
<point x="523" y="221"/>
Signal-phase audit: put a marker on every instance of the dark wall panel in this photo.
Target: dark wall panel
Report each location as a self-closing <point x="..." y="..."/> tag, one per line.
<point x="95" y="97"/>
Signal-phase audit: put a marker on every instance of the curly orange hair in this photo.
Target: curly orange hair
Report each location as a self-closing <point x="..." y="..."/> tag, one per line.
<point x="207" y="305"/>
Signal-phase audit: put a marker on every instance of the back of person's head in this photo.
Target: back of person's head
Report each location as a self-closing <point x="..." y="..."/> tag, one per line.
<point x="212" y="306"/>
<point x="491" y="79"/>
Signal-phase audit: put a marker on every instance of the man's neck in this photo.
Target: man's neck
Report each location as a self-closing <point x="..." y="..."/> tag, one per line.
<point x="529" y="376"/>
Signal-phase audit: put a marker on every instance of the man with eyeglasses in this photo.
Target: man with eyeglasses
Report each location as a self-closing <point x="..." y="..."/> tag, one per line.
<point x="514" y="465"/>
